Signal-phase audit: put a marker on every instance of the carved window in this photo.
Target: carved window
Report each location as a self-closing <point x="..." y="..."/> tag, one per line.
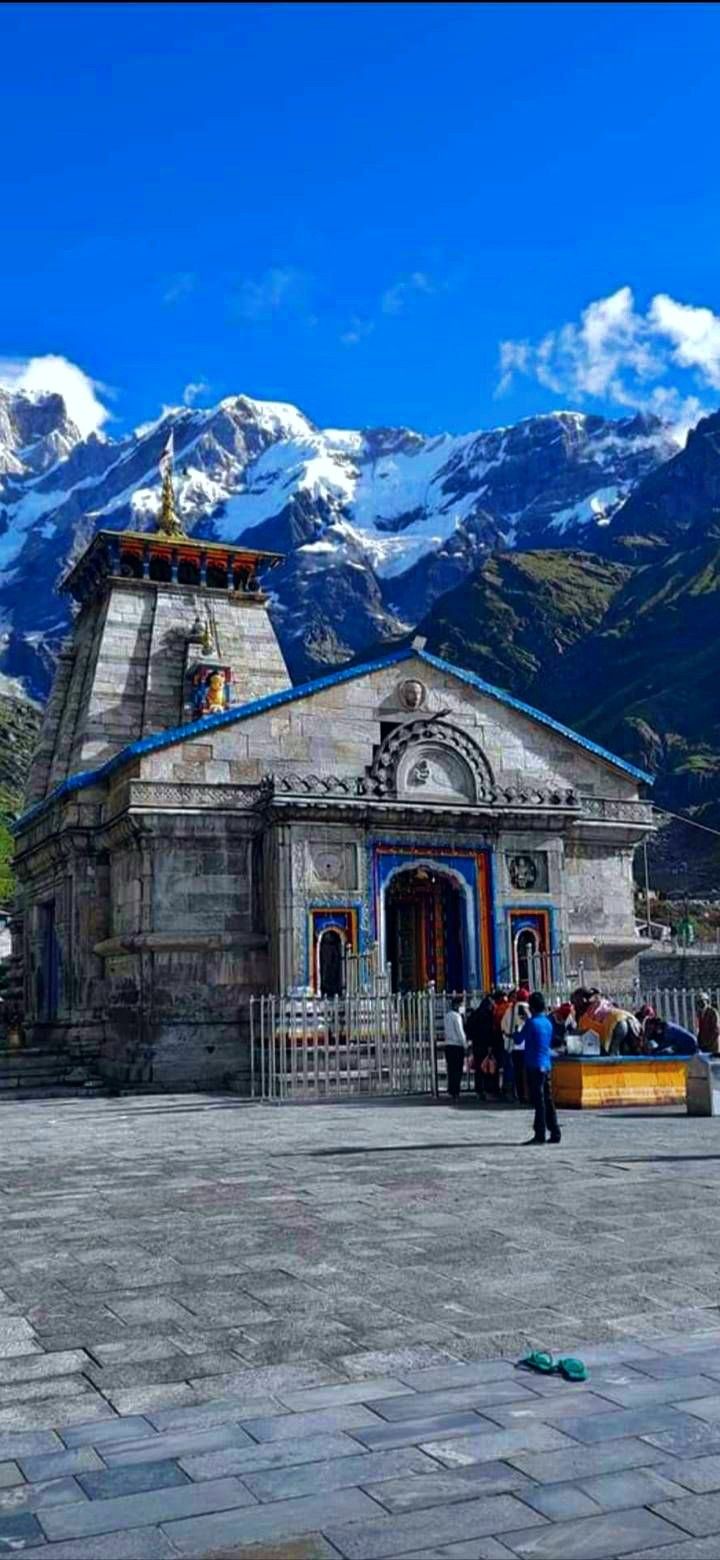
<point x="431" y="759"/>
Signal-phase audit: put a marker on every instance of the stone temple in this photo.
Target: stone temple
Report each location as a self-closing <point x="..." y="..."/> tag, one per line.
<point x="198" y="830"/>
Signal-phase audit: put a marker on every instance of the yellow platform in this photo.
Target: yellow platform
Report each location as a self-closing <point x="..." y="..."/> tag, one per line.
<point x="588" y="1082"/>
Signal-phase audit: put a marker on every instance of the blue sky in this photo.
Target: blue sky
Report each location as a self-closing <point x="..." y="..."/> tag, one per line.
<point x="352" y="207"/>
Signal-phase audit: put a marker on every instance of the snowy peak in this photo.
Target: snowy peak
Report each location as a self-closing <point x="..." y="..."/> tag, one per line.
<point x="377" y="521"/>
<point x="35" y="432"/>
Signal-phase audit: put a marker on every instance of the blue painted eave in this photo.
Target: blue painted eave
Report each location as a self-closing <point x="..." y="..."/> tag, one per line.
<point x="273" y="701"/>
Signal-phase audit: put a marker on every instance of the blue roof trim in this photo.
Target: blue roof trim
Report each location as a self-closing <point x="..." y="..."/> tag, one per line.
<point x="529" y="709"/>
<point x="272" y="701"/>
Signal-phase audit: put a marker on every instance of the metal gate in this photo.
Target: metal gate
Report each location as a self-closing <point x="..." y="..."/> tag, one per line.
<point x="311" y="1048"/>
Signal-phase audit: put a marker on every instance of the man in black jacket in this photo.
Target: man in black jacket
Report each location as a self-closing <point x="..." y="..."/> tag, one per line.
<point x="480" y="1030"/>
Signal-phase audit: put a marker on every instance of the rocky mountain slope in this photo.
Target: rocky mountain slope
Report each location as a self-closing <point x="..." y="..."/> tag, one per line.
<point x="376" y="524"/>
<point x="572" y="559"/>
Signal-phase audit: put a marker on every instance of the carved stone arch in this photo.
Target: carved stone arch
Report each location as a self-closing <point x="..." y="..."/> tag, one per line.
<point x="432" y="758"/>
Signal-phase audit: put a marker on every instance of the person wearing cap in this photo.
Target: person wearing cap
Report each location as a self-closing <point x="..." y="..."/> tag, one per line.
<point x="708" y="1025"/>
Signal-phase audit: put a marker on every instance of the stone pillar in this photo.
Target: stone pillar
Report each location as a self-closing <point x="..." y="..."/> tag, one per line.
<point x="281" y="934"/>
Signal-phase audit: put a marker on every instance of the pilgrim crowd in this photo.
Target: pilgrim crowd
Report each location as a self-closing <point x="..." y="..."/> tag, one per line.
<point x="509" y="1039"/>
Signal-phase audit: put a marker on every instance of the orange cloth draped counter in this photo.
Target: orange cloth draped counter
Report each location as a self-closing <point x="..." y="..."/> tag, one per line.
<point x="589" y="1082"/>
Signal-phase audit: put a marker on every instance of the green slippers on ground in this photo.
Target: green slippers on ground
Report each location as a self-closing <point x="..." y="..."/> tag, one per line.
<point x="542" y="1362"/>
<point x="572" y="1370"/>
<point x="539" y="1361"/>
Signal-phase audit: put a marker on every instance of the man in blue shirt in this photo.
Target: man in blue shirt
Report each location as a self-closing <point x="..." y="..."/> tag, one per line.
<point x="537" y="1036"/>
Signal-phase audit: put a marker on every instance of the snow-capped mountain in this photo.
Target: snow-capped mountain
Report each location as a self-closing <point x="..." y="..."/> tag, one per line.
<point x="375" y="523"/>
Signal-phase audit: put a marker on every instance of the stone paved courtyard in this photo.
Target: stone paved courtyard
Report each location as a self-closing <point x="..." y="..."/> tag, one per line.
<point x="291" y="1332"/>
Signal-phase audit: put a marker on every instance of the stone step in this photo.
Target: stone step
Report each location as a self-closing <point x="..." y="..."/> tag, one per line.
<point x="34" y="1071"/>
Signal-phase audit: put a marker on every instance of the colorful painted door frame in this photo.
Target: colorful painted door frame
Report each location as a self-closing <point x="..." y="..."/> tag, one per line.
<point x="471" y="872"/>
<point x="530" y="938"/>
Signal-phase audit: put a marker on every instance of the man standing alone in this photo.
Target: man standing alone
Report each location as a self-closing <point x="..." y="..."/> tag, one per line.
<point x="454" y="1048"/>
<point x="537" y="1036"/>
<point x="708" y="1025"/>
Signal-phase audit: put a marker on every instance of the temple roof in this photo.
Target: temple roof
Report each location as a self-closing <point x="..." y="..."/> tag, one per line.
<point x="110" y="551"/>
<point x="271" y="701"/>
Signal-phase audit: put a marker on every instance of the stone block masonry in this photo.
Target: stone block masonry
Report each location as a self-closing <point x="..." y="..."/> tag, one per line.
<point x="215" y="1451"/>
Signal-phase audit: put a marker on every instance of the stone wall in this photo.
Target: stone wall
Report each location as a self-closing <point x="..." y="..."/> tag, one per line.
<point x="125" y="675"/>
<point x="694" y="971"/>
<point x="183" y="953"/>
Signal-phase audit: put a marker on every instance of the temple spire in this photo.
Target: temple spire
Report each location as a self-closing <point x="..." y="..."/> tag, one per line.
<point x="168" y="523"/>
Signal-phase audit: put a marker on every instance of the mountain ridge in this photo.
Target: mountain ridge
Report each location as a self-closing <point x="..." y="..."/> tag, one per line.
<point x="377" y="523"/>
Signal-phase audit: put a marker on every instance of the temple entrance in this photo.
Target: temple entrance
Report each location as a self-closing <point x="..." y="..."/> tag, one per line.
<point x="331" y="962"/>
<point x="526" y="953"/>
<point x="425" y="926"/>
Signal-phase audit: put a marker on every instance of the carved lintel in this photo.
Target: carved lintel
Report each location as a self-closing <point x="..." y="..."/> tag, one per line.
<point x="177" y="942"/>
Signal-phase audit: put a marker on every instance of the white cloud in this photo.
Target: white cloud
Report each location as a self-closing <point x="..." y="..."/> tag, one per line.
<point x="280" y="290"/>
<point x="59" y="376"/>
<point x="194" y="391"/>
<point x="357" y="330"/>
<point x="392" y="301"/>
<point x="179" y="286"/>
<point x="394" y="298"/>
<point x="694" y="332"/>
<point x="614" y="353"/>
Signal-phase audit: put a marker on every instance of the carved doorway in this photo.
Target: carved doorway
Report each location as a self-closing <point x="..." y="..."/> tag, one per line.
<point x="331" y="955"/>
<point x="425" y="925"/>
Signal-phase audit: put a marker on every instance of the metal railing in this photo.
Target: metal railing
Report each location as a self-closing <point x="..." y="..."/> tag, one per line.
<point x="341" y="1047"/>
<point x="315" y="1048"/>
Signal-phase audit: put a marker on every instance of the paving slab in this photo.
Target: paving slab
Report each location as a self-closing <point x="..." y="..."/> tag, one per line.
<point x="366" y="1470"/>
<point x="560" y="1502"/>
<point x="285" y="1519"/>
<point x="109" y="1482"/>
<point x="407" y="1432"/>
<point x="496" y="1443"/>
<point x="385" y="1536"/>
<point x="669" y="1389"/>
<point x="218" y="1411"/>
<point x="322" y="1421"/>
<point x="592" y="1538"/>
<point x="358" y="1280"/>
<point x="130" y="1427"/>
<point x="134" y="1544"/>
<point x="9" y="1475"/>
<point x="697" y="1514"/>
<point x="480" y="1395"/>
<point x="17" y="1531"/>
<point x="699" y="1474"/>
<point x="143" y="1510"/>
<point x="56" y="1465"/>
<point x="631" y="1487"/>
<point x="452" y="1484"/>
<point x="172" y="1444"/>
<point x="649" y="1421"/>
<point x="685" y="1549"/>
<point x="307" y="1398"/>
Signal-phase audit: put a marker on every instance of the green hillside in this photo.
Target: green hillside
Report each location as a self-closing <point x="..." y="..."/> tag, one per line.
<point x="19" y="725"/>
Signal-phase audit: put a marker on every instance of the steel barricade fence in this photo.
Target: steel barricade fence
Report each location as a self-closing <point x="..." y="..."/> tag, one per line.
<point x="363" y="1044"/>
<point x="305" y="1048"/>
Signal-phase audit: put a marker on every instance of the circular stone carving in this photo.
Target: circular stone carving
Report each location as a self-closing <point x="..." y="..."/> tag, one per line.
<point x="329" y="865"/>
<point x="413" y="693"/>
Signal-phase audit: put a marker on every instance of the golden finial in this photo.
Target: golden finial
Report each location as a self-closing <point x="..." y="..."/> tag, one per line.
<point x="167" y="520"/>
<point x="208" y="642"/>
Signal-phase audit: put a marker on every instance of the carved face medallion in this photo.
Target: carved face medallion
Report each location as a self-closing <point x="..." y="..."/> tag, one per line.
<point x="412" y="693"/>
